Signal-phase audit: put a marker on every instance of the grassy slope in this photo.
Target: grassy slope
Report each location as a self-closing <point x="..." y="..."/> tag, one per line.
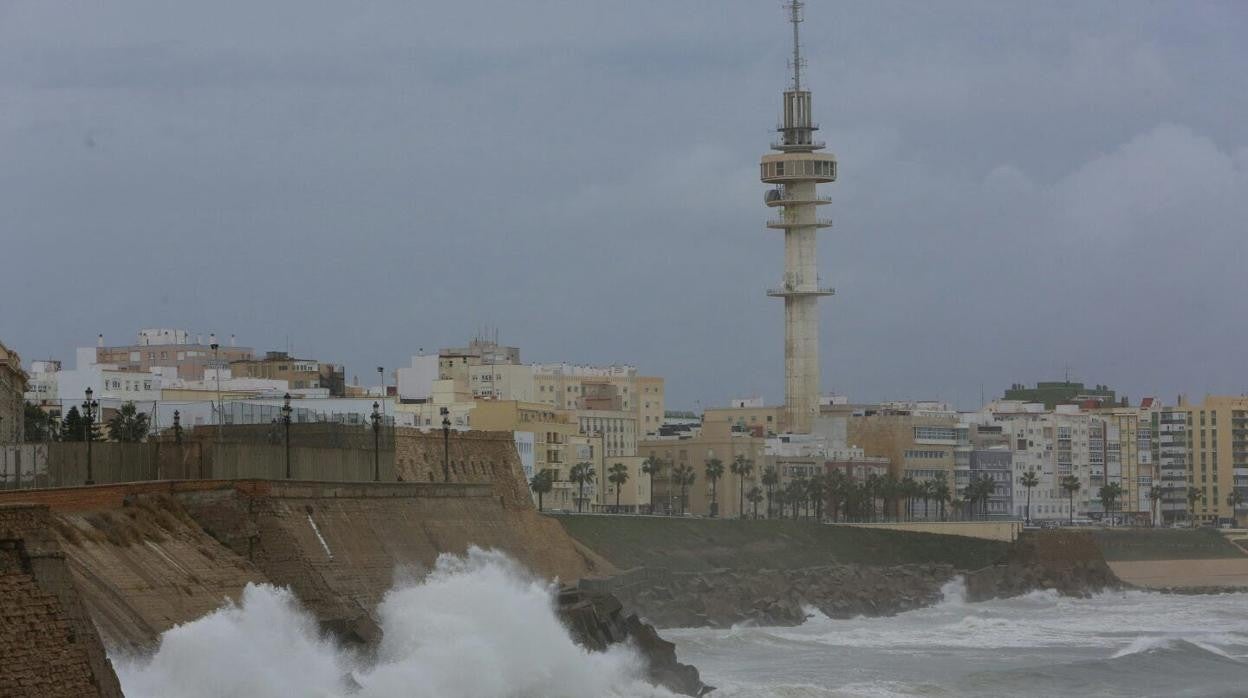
<point x="1165" y="544"/>
<point x="698" y="544"/>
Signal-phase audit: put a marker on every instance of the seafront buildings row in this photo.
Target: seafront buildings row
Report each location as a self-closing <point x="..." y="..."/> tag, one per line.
<point x="1185" y="462"/>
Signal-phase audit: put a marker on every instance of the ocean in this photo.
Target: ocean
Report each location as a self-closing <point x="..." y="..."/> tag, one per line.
<point x="1114" y="644"/>
<point x="480" y="626"/>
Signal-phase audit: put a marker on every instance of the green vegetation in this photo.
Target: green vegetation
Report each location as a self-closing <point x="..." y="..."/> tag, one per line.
<point x="582" y="474"/>
<point x="542" y="483"/>
<point x="618" y="476"/>
<point x="701" y="544"/>
<point x="129" y="425"/>
<point x="1164" y="544"/>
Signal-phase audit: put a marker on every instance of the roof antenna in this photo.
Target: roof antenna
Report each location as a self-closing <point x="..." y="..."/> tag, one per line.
<point x="797" y="62"/>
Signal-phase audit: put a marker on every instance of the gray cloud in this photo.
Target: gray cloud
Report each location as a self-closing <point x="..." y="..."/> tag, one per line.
<point x="1025" y="186"/>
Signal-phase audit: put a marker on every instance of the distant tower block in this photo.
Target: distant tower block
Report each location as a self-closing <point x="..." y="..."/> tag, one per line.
<point x="796" y="170"/>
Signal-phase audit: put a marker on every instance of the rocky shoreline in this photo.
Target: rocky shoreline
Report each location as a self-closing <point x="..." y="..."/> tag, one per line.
<point x="722" y="598"/>
<point x="596" y="621"/>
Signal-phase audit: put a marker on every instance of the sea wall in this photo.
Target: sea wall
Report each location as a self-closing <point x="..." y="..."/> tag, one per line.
<point x="1006" y="531"/>
<point x="48" y="645"/>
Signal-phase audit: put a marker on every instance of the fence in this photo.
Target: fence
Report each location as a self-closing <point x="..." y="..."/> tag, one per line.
<point x="330" y="455"/>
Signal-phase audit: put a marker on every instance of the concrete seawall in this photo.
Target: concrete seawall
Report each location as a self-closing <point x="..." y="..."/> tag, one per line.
<point x="147" y="556"/>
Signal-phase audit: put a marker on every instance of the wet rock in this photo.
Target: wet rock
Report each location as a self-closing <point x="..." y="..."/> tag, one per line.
<point x="596" y="621"/>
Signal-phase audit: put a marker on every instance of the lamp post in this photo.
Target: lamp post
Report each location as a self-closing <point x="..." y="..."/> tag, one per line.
<point x="446" y="444"/>
<point x="177" y="427"/>
<point x="286" y="420"/>
<point x="376" y="417"/>
<point x="381" y="378"/>
<point x="89" y="407"/>
<point x="216" y="363"/>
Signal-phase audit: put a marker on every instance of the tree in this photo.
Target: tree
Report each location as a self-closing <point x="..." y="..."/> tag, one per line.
<point x="941" y="492"/>
<point x="1029" y="480"/>
<point x="742" y="467"/>
<point x="816" y="491"/>
<point x="129" y="425"/>
<point x="1193" y="495"/>
<point x="582" y="474"/>
<point x="39" y="425"/>
<point x="980" y="490"/>
<point x="795" y="493"/>
<point x="909" y="490"/>
<point x="837" y="488"/>
<point x="75" y="426"/>
<point x="618" y="475"/>
<point x="1155" y="495"/>
<point x="1109" y="495"/>
<point x="770" y="479"/>
<point x="714" y="471"/>
<point x="1070" y="485"/>
<point x="542" y="483"/>
<point x="1233" y="500"/>
<point x="754" y="496"/>
<point x="683" y="476"/>
<point x="870" y="490"/>
<point x="652" y="466"/>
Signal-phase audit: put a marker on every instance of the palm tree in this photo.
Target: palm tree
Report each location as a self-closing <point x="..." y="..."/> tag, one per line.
<point x="129" y="425"/>
<point x="1233" y="500"/>
<point x="837" y="488"/>
<point x="816" y="491"/>
<point x="618" y="475"/>
<point x="683" y="476"/>
<point x="770" y="479"/>
<point x="1193" y="495"/>
<point x="909" y="490"/>
<point x="1029" y="480"/>
<point x="714" y="471"/>
<point x="742" y="467"/>
<point x="541" y="483"/>
<point x="797" y="495"/>
<point x="1155" y="495"/>
<point x="754" y="496"/>
<point x="1070" y="485"/>
<point x="582" y="474"/>
<point x="941" y="492"/>
<point x="890" y="488"/>
<point x="652" y="466"/>
<point x="870" y="490"/>
<point x="1109" y="495"/>
<point x="927" y="492"/>
<point x="980" y="490"/>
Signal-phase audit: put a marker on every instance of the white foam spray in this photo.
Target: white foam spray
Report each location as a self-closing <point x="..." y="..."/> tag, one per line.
<point x="477" y="626"/>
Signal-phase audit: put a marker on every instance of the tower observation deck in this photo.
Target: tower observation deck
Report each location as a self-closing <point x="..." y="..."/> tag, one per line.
<point x="796" y="169"/>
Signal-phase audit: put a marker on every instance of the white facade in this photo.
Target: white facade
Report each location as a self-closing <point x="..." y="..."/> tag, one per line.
<point x="415" y="382"/>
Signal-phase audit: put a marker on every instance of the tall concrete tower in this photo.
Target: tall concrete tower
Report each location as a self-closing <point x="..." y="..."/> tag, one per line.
<point x="796" y="170"/>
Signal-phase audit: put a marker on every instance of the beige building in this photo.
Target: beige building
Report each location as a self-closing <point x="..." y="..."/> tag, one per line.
<point x="1217" y="457"/>
<point x="557" y="442"/>
<point x="299" y="374"/>
<point x="570" y="387"/>
<point x="916" y="445"/>
<point x="757" y="419"/>
<point x="12" y="396"/>
<point x="171" y="352"/>
<point x="715" y="440"/>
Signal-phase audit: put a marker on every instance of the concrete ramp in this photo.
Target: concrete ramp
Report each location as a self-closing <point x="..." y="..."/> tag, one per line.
<point x="1160" y="574"/>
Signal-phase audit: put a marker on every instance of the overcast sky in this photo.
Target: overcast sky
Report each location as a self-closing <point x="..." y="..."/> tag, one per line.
<point x="1025" y="186"/>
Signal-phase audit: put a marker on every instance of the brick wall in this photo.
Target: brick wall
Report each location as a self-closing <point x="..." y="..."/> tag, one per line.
<point x="48" y="646"/>
<point x="480" y="457"/>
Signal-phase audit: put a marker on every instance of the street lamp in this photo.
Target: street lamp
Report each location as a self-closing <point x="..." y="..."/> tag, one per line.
<point x="446" y="444"/>
<point x="376" y="417"/>
<point x="177" y="427"/>
<point x="286" y="420"/>
<point x="216" y="363"/>
<point x="89" y="407"/>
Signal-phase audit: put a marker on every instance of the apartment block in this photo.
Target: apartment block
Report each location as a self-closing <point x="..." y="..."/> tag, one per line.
<point x="171" y="352"/>
<point x="13" y="387"/>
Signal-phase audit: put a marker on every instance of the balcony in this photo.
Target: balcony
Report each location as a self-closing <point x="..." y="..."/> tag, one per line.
<point x="786" y="291"/>
<point x="785" y="223"/>
<point x="797" y="147"/>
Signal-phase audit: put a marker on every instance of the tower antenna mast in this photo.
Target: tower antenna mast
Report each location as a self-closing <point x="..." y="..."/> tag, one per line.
<point x="795" y="16"/>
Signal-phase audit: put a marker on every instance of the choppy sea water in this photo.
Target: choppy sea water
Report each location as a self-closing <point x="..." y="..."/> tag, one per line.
<point x="1115" y="644"/>
<point x="480" y="626"/>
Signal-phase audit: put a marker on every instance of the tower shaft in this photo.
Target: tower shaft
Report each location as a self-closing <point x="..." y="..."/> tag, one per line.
<point x="797" y="169"/>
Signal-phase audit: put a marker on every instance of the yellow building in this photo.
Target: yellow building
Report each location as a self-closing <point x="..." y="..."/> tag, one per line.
<point x="716" y="440"/>
<point x="916" y="445"/>
<point x="757" y="418"/>
<point x="557" y="442"/>
<point x="1217" y="457"/>
<point x="1129" y="458"/>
